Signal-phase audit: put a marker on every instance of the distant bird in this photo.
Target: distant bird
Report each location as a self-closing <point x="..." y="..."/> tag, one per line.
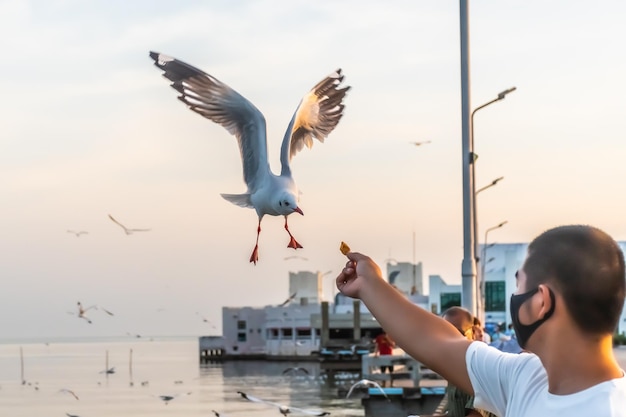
<point x="288" y="300"/>
<point x="127" y="230"/>
<point x="317" y="115"/>
<point x="71" y="415"/>
<point x="420" y="143"/>
<point x="284" y="409"/>
<point x="68" y="391"/>
<point x="365" y="383"/>
<point x="295" y="370"/>
<point x="218" y="414"/>
<point x="204" y="319"/>
<point x="81" y="232"/>
<point x="108" y="371"/>
<point x="167" y="398"/>
<point x="81" y="313"/>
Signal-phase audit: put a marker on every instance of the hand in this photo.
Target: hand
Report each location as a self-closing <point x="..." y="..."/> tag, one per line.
<point x="358" y="272"/>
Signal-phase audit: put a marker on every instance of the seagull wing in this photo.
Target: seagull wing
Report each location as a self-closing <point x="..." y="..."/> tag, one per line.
<point x="69" y="392"/>
<point x="258" y="400"/>
<point x="377" y="385"/>
<point x="118" y="223"/>
<point x="216" y="101"/>
<point x="139" y="230"/>
<point x="310" y="412"/>
<point x="317" y="115"/>
<point x="106" y="311"/>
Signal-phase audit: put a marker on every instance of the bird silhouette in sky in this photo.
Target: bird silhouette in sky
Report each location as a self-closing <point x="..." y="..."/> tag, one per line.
<point x="424" y="142"/>
<point x="167" y="398"/>
<point x="316" y="116"/>
<point x="284" y="409"/>
<point x="81" y="312"/>
<point x="288" y="300"/>
<point x="127" y="230"/>
<point x="69" y="391"/>
<point x="77" y="233"/>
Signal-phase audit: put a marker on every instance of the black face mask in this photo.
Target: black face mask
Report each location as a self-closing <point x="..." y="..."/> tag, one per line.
<point x="524" y="331"/>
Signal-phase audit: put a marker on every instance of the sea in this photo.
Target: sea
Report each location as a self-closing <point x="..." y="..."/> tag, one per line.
<point x="36" y="377"/>
<point x="147" y="368"/>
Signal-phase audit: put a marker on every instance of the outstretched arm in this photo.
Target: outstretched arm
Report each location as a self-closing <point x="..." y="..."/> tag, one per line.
<point x="423" y="335"/>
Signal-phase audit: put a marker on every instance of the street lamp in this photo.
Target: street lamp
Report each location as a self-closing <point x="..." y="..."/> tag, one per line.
<point x="481" y="310"/>
<point x="472" y="160"/>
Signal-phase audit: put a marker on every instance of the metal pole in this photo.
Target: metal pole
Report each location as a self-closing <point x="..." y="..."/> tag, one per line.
<point x="468" y="266"/>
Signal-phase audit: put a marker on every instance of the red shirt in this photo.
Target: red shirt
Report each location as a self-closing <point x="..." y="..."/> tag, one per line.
<point x="385" y="346"/>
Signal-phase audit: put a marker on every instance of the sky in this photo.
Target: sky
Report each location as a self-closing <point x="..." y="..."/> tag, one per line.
<point x="91" y="128"/>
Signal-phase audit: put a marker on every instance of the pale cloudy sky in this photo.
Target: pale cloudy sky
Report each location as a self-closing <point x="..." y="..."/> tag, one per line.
<point x="89" y="127"/>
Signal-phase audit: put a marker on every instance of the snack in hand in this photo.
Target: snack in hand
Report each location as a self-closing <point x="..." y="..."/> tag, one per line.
<point x="344" y="248"/>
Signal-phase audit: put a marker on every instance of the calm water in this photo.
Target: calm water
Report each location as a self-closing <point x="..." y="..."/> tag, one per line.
<point x="170" y="367"/>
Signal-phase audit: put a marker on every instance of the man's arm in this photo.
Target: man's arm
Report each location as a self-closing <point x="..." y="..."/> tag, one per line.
<point x="423" y="335"/>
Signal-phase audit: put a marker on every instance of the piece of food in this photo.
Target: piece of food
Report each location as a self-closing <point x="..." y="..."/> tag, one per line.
<point x="344" y="248"/>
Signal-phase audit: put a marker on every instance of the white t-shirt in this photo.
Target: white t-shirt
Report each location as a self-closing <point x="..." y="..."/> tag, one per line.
<point x="516" y="385"/>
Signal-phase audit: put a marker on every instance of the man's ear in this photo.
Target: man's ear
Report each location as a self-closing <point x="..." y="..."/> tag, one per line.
<point x="546" y="300"/>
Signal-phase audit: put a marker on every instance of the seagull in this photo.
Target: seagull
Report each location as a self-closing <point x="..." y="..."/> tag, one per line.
<point x="167" y="398"/>
<point x="317" y="115"/>
<point x="420" y="143"/>
<point x="283" y="409"/>
<point x="295" y="370"/>
<point x="288" y="300"/>
<point x="365" y="383"/>
<point x="108" y="371"/>
<point x="204" y="319"/>
<point x="69" y="392"/>
<point x="126" y="229"/>
<point x="80" y="232"/>
<point x="82" y="310"/>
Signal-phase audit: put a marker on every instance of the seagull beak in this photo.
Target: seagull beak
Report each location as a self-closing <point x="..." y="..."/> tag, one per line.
<point x="297" y="210"/>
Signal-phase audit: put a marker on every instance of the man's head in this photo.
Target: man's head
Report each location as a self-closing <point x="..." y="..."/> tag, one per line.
<point x="460" y="318"/>
<point x="582" y="264"/>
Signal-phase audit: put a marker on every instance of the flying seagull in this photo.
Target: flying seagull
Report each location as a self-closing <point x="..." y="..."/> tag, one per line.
<point x="295" y="370"/>
<point x="284" y="409"/>
<point x="366" y="383"/>
<point x="420" y="143"/>
<point x="126" y="229"/>
<point x="69" y="392"/>
<point x="316" y="116"/>
<point x="288" y="300"/>
<point x="82" y="310"/>
<point x="78" y="233"/>
<point x="167" y="398"/>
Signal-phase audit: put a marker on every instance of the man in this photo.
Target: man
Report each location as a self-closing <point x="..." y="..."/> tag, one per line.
<point x="384" y="346"/>
<point x="461" y="404"/>
<point x="570" y="294"/>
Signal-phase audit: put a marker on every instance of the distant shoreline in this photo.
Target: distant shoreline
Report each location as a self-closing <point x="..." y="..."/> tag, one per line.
<point x="94" y="339"/>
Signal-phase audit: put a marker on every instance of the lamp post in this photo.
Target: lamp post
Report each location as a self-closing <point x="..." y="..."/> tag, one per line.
<point x="482" y="272"/>
<point x="479" y="304"/>
<point x="472" y="157"/>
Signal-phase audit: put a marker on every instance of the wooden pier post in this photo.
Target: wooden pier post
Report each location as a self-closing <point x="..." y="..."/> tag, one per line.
<point x="356" y="309"/>
<point x="325" y="330"/>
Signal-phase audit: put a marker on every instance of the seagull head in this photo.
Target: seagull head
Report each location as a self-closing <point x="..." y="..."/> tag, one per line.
<point x="288" y="204"/>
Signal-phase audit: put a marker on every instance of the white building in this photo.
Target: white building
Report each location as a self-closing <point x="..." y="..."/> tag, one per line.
<point x="407" y="277"/>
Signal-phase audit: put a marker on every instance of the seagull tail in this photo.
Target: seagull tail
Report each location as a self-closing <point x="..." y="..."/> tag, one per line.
<point x="241" y="200"/>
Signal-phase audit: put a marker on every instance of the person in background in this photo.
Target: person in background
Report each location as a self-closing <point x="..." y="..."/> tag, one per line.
<point x="384" y="346"/>
<point x="461" y="404"/>
<point x="480" y="333"/>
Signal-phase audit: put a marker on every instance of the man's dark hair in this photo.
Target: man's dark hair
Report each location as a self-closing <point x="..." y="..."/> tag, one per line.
<point x="586" y="266"/>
